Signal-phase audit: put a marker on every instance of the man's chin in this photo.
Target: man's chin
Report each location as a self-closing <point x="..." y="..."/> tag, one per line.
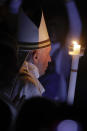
<point x="42" y="73"/>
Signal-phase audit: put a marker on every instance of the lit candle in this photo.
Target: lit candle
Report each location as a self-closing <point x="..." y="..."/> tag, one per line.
<point x="74" y="50"/>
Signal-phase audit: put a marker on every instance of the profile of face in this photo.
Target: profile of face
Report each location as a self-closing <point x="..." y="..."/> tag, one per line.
<point x="42" y="58"/>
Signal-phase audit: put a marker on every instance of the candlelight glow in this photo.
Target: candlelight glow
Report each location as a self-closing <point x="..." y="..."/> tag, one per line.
<point x="74" y="48"/>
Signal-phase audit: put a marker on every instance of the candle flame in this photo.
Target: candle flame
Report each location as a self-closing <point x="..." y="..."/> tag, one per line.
<point x="75" y="47"/>
<point x="74" y="42"/>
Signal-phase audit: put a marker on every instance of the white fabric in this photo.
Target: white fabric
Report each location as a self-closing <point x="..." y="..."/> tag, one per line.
<point x="29" y="89"/>
<point x="32" y="68"/>
<point x="28" y="31"/>
<point x="43" y="34"/>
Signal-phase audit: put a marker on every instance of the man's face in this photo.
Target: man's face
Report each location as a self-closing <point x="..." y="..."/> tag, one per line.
<point x="43" y="59"/>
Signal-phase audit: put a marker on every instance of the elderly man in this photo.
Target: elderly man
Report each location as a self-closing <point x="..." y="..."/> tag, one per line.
<point x="34" y="47"/>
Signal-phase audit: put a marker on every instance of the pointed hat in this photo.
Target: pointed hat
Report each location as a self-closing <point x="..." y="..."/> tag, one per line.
<point x="30" y="36"/>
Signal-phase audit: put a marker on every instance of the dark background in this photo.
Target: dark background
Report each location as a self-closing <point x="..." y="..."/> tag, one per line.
<point x="56" y="17"/>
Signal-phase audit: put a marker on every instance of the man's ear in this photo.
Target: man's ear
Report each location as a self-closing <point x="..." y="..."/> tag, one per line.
<point x="35" y="56"/>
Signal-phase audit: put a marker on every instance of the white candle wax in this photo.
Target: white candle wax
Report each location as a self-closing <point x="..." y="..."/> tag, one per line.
<point x="73" y="75"/>
<point x="75" y="52"/>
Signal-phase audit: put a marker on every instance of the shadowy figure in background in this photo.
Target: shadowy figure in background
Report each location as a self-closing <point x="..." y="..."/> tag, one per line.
<point x="37" y="114"/>
<point x="8" y="61"/>
<point x="6" y="116"/>
<point x="9" y="10"/>
<point x="8" y="68"/>
<point x="56" y="79"/>
<point x="42" y="114"/>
